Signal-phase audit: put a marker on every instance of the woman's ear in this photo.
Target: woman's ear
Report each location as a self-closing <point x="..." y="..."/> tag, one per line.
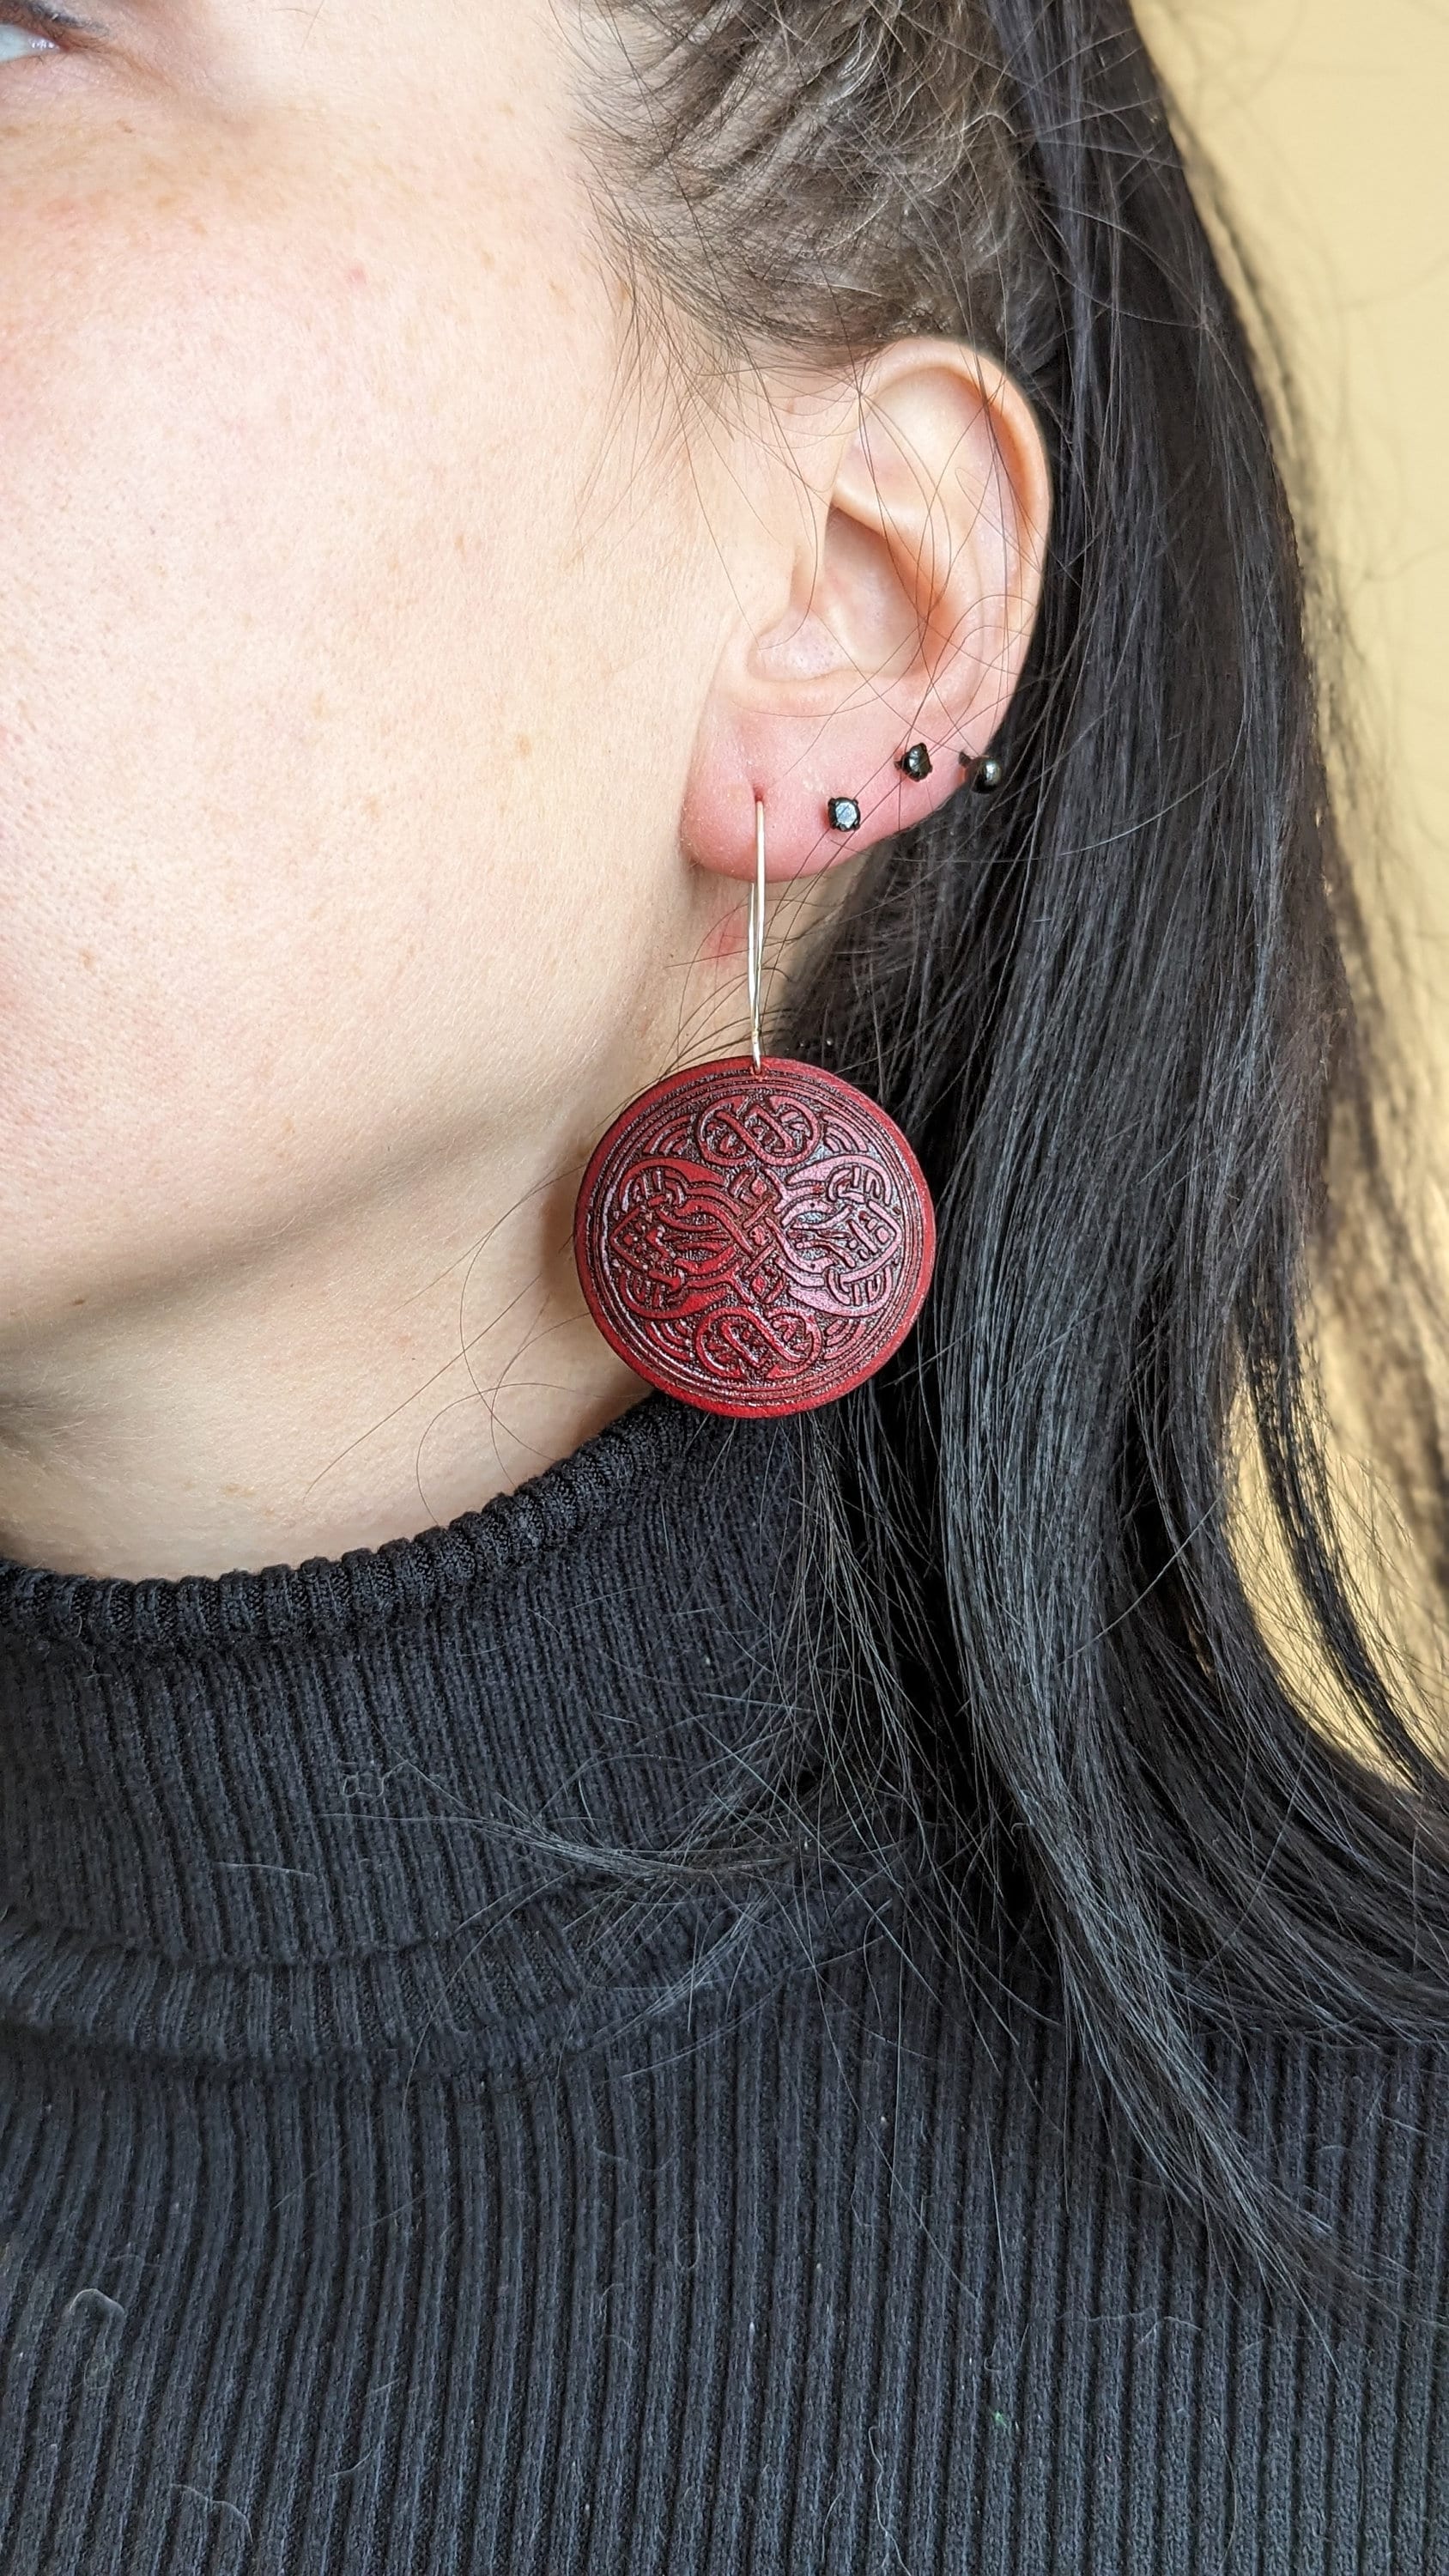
<point x="897" y="610"/>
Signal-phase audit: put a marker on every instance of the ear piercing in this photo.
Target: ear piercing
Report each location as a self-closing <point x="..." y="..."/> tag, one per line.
<point x="843" y="812"/>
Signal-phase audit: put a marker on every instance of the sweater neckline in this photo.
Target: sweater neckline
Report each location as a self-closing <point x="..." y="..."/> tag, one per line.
<point x="326" y="1597"/>
<point x="316" y="1808"/>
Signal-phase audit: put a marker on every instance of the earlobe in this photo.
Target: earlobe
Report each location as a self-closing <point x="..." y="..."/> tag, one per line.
<point x="911" y="600"/>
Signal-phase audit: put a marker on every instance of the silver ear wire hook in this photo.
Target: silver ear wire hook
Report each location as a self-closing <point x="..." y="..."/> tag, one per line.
<point x="755" y="950"/>
<point x="734" y="1174"/>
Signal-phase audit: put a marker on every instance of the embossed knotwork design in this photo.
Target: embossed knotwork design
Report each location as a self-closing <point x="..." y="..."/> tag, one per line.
<point x="755" y="1242"/>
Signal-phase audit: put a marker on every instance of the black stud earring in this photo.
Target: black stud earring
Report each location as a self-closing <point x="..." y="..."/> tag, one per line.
<point x="916" y="762"/>
<point x="989" y="772"/>
<point x="844" y="814"/>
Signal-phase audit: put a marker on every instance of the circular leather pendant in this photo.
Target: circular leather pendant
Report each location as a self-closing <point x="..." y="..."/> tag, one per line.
<point x="754" y="1242"/>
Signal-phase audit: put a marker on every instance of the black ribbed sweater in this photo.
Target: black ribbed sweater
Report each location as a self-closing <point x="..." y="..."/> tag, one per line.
<point x="373" y="2199"/>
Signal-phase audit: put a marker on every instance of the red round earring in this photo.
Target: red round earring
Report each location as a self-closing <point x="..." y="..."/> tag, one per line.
<point x="754" y="1236"/>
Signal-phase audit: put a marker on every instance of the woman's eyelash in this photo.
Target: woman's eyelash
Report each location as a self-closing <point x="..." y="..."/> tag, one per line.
<point x="44" y="19"/>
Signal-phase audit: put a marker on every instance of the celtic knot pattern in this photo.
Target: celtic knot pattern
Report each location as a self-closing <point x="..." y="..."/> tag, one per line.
<point x="754" y="1242"/>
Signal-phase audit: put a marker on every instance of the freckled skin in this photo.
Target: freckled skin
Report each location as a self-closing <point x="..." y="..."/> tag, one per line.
<point x="277" y="615"/>
<point x="304" y="870"/>
<point x="362" y="816"/>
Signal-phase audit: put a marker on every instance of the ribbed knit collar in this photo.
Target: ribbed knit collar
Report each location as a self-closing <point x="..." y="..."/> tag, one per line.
<point x="299" y="1808"/>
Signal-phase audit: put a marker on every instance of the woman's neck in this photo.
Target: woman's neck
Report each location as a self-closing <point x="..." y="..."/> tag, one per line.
<point x="401" y="1360"/>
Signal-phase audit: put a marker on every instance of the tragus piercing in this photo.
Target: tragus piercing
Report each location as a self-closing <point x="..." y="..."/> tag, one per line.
<point x="844" y="814"/>
<point x="916" y="762"/>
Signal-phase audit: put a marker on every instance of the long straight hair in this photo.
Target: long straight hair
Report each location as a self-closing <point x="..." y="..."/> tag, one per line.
<point x="1110" y="1005"/>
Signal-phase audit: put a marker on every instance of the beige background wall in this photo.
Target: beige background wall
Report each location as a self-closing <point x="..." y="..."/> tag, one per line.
<point x="1330" y="122"/>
